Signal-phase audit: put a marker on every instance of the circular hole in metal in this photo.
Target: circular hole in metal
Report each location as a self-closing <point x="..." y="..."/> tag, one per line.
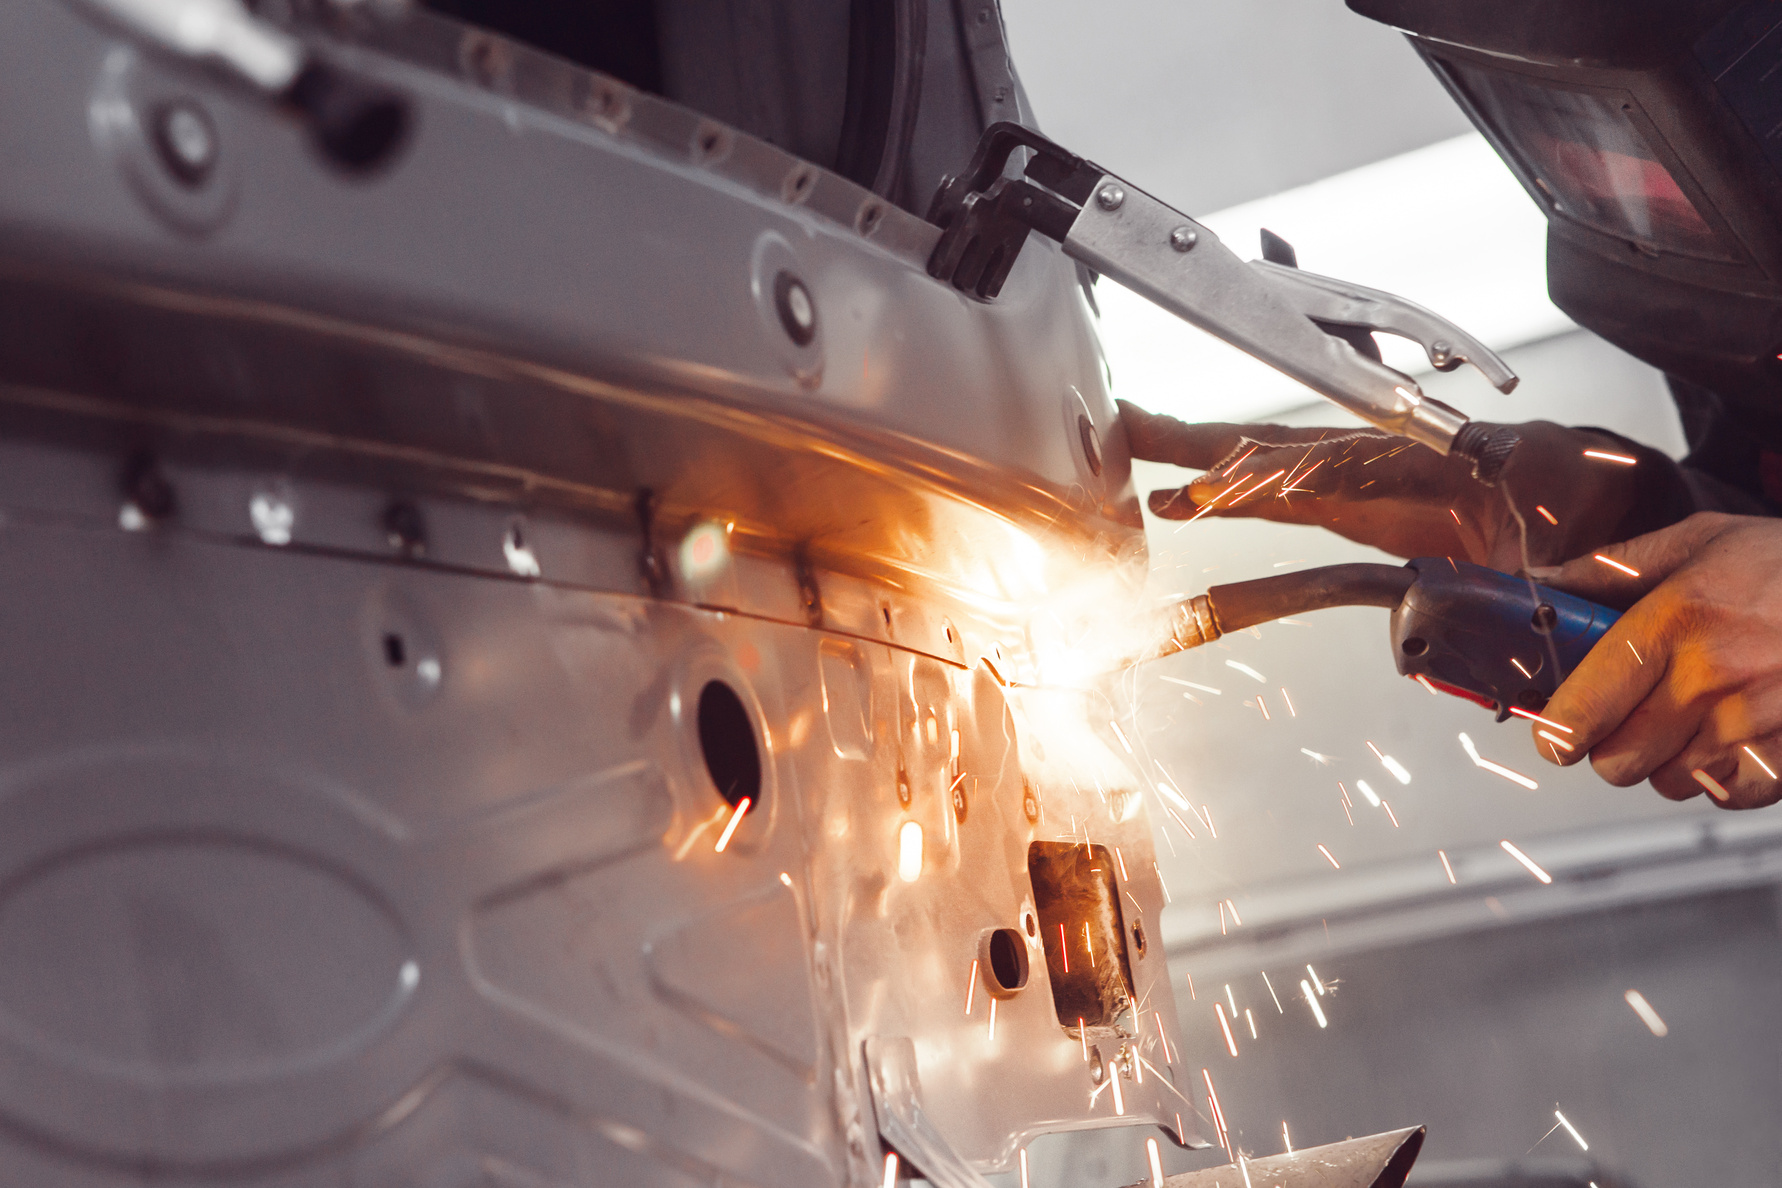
<point x="798" y="313"/>
<point x="1007" y="962"/>
<point x="1091" y="444"/>
<point x="1544" y="619"/>
<point x="727" y="740"/>
<point x="1415" y="645"/>
<point x="1032" y="925"/>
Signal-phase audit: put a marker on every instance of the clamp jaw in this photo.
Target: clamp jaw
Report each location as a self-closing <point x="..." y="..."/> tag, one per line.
<point x="1292" y="320"/>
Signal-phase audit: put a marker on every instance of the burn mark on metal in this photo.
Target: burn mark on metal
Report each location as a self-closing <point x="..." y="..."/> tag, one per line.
<point x="1082" y="930"/>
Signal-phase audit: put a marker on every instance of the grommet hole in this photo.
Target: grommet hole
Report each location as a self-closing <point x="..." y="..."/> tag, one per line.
<point x="727" y="742"/>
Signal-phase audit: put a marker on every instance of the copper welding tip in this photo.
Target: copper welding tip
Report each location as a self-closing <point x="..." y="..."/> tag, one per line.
<point x="1192" y="623"/>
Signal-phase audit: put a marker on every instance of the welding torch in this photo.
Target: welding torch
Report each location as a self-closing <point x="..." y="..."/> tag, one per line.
<point x="1501" y="641"/>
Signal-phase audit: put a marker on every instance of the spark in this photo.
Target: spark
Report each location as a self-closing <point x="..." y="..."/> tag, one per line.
<point x="1447" y="867"/>
<point x="1083" y="1034"/>
<point x="1166" y="895"/>
<point x="1390" y="764"/>
<point x="742" y="806"/>
<point x="1114" y="1083"/>
<point x="1232" y="904"/>
<point x="1223" y="931"/>
<point x="1389" y="815"/>
<point x="1192" y="996"/>
<point x="1636" y="653"/>
<point x="1239" y="462"/>
<point x="1556" y="740"/>
<point x="1246" y="670"/>
<point x="1547" y="515"/>
<point x="1515" y="777"/>
<point x="1230" y="1041"/>
<point x="1315" y="756"/>
<point x="1327" y="857"/>
<point x="1231" y="1000"/>
<point x="1424" y="681"/>
<point x="1024" y="1167"/>
<point x="891" y="1169"/>
<point x="909" y="851"/>
<point x="1518" y="855"/>
<point x="971" y="987"/>
<point x="1251" y="1019"/>
<point x="1121" y="735"/>
<point x="1259" y="486"/>
<point x="1089" y="944"/>
<point x="785" y="878"/>
<point x="1263" y="706"/>
<point x="992" y="1020"/>
<point x="1163" y="1036"/>
<point x="1279" y="1009"/>
<point x="1533" y="717"/>
<point x="1206" y="814"/>
<point x="1064" y="948"/>
<point x="1629" y="570"/>
<point x="1623" y="459"/>
<point x="1121" y="859"/>
<point x="1647" y="1015"/>
<point x="1171" y="793"/>
<point x="1156" y="1164"/>
<point x="1317" y="1011"/>
<point x="1373" y="797"/>
<point x="1572" y="1130"/>
<point x="1714" y="787"/>
<point x="1316" y="980"/>
<point x="1521" y="669"/>
<point x="1767" y="769"/>
<point x="1286" y="1139"/>
<point x="1347" y="813"/>
<point x="1456" y="516"/>
<point x="1178" y="820"/>
<point x="1192" y="685"/>
<point x="1218" y="1114"/>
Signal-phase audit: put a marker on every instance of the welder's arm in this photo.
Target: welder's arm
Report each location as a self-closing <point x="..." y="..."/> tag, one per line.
<point x="1686" y="688"/>
<point x="1383" y="491"/>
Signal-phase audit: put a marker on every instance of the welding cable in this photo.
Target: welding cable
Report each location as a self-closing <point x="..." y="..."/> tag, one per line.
<point x="1233" y="607"/>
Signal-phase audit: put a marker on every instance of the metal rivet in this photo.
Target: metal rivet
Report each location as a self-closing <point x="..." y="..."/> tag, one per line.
<point x="1109" y="197"/>
<point x="1183" y="238"/>
<point x="186" y="141"/>
<point x="1440" y="352"/>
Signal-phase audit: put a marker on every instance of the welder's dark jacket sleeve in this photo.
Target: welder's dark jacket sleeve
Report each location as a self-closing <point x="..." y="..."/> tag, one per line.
<point x="1733" y="465"/>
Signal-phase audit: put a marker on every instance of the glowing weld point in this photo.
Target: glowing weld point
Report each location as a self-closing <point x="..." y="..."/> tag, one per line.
<point x="1572" y="1130"/>
<point x="1156" y="1164"/>
<point x="1629" y="570"/>
<point x="890" y="1170"/>
<point x="1647" y="1015"/>
<point x="1447" y="868"/>
<point x="1714" y="787"/>
<point x="1547" y="515"/>
<point x="742" y="806"/>
<point x="1246" y="670"/>
<point x="1327" y="857"/>
<point x="1623" y="459"/>
<point x="909" y="851"/>
<point x="1767" y="769"/>
<point x="1230" y="1042"/>
<point x="1526" y="861"/>
<point x="1312" y="1001"/>
<point x="1532" y="717"/>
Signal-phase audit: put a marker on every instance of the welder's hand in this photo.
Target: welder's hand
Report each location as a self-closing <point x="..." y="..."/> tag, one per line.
<point x="1385" y="491"/>
<point x="1688" y="683"/>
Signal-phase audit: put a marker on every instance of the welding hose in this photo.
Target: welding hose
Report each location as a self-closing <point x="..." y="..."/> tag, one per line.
<point x="1224" y="609"/>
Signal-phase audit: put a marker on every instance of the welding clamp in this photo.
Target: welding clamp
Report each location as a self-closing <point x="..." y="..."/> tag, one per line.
<point x="1311" y="327"/>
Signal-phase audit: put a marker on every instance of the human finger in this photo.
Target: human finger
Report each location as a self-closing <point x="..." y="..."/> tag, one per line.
<point x="1739" y="778"/>
<point x="1614" y="678"/>
<point x="1621" y="574"/>
<point x="1721" y="757"/>
<point x="1211" y="445"/>
<point x="1654" y="731"/>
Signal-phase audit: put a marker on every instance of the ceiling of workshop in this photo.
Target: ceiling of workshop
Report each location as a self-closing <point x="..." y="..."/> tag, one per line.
<point x="1208" y="103"/>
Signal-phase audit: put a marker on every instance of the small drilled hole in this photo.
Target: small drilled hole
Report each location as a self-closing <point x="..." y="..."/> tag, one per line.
<point x="727" y="740"/>
<point x="395" y="651"/>
<point x="1029" y="923"/>
<point x="1415" y="645"/>
<point x="1008" y="960"/>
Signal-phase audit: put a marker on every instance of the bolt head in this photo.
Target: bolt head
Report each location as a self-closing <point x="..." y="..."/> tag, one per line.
<point x="798" y="313"/>
<point x="1440" y="352"/>
<point x="186" y="141"/>
<point x="1110" y="196"/>
<point x="1183" y="238"/>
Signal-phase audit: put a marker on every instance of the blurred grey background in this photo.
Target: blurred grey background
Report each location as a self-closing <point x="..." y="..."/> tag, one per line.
<point x="1479" y="1007"/>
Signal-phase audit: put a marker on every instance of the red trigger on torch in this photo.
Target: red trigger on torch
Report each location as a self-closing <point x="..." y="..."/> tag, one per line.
<point x="1457" y="691"/>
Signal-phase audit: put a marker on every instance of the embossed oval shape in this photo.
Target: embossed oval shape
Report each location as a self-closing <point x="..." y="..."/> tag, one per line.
<point x="197" y="958"/>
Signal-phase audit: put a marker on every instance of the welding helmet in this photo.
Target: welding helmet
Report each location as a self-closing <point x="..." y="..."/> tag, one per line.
<point x="1650" y="132"/>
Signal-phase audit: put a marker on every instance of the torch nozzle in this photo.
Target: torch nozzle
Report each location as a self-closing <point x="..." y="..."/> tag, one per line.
<point x="1224" y="609"/>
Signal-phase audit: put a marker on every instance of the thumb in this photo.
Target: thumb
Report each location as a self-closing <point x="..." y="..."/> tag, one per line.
<point x="1619" y="575"/>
